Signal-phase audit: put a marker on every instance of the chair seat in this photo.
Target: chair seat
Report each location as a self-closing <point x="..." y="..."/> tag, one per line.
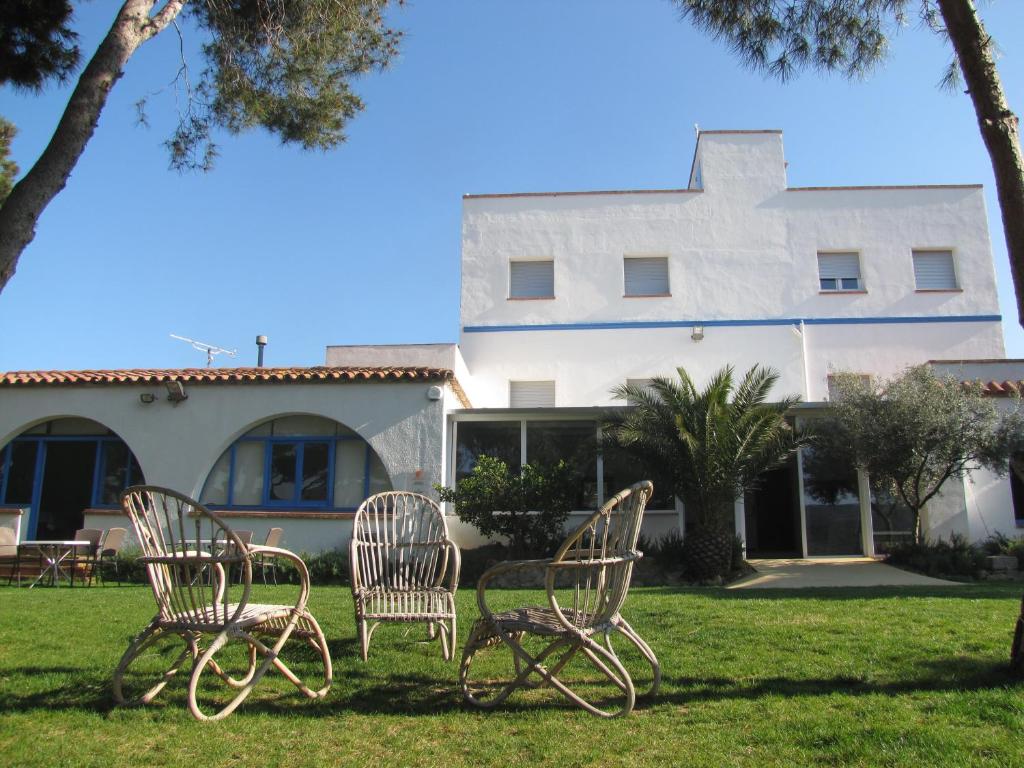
<point x="533" y="619"/>
<point x="255" y="616"/>
<point x="416" y="604"/>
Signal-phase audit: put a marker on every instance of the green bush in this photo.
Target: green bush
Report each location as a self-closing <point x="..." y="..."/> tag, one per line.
<point x="957" y="557"/>
<point x="529" y="510"/>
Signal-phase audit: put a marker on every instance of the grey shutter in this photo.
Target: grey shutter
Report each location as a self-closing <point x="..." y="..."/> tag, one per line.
<point x="838" y="265"/>
<point x="532" y="279"/>
<point x="646" y="276"/>
<point x="933" y="271"/>
<point x="531" y="394"/>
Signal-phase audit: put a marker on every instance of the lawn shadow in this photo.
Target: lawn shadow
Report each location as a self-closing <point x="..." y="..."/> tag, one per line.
<point x="967" y="591"/>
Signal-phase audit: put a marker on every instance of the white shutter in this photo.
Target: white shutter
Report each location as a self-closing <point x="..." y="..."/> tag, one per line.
<point x="838" y="265"/>
<point x="531" y="394"/>
<point x="532" y="279"/>
<point x="933" y="271"/>
<point x="646" y="276"/>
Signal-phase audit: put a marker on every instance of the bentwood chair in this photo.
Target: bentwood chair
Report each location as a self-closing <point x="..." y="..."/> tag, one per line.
<point x="586" y="583"/>
<point x="404" y="567"/>
<point x="83" y="561"/>
<point x="268" y="563"/>
<point x="189" y="552"/>
<point x="113" y="542"/>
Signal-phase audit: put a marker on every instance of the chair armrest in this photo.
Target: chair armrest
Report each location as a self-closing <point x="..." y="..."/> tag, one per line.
<point x="454" y="566"/>
<point x="578" y="565"/>
<point x="287" y="554"/>
<point x="499" y="568"/>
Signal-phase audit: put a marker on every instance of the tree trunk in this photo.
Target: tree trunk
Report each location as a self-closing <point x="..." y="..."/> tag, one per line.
<point x="999" y="126"/>
<point x="30" y="196"/>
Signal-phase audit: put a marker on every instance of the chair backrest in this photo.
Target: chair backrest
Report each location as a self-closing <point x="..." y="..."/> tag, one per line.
<point x="400" y="541"/>
<point x="92" y="535"/>
<point x="599" y="557"/>
<point x="8" y="541"/>
<point x="244" y="536"/>
<point x="274" y="536"/>
<point x="113" y="541"/>
<point x="188" y="552"/>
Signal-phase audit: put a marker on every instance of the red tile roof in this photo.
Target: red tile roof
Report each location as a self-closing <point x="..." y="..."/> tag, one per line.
<point x="230" y="376"/>
<point x="1001" y="388"/>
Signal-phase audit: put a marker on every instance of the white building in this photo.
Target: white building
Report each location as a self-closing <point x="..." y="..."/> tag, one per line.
<point x="564" y="296"/>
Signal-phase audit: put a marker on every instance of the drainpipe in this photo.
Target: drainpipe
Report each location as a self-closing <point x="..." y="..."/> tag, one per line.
<point x="803" y="360"/>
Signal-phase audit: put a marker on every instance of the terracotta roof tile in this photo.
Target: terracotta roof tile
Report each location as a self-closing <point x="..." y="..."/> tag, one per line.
<point x="1001" y="388"/>
<point x="222" y="375"/>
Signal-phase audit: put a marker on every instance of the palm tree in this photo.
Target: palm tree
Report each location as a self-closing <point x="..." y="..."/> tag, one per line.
<point x="713" y="443"/>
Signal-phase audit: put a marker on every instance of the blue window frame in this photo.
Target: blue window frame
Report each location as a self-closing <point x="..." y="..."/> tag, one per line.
<point x="332" y="471"/>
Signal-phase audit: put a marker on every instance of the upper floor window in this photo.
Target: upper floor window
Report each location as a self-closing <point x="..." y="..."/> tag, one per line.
<point x="297" y="462"/>
<point x="531" y="394"/>
<point x="840" y="271"/>
<point x="934" y="271"/>
<point x="646" y="275"/>
<point x="532" y="279"/>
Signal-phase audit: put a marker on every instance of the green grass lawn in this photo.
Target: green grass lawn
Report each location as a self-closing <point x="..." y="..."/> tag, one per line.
<point x="825" y="677"/>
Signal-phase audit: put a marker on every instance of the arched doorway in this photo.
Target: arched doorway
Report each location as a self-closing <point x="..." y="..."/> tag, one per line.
<point x="296" y="463"/>
<point x="59" y="469"/>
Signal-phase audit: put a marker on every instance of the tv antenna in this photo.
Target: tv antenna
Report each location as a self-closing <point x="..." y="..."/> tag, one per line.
<point x="209" y="349"/>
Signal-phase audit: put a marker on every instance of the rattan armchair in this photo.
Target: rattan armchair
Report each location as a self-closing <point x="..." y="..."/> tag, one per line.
<point x="189" y="553"/>
<point x="404" y="567"/>
<point x="586" y="583"/>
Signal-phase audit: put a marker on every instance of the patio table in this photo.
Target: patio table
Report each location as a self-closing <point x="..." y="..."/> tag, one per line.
<point x="54" y="552"/>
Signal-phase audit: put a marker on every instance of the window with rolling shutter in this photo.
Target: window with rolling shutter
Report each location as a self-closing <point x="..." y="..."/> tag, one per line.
<point x="839" y="272"/>
<point x="531" y="280"/>
<point x="531" y="394"/>
<point x="934" y="271"/>
<point x="646" y="275"/>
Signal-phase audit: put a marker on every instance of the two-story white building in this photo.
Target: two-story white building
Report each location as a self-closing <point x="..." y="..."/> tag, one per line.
<point x="564" y="296"/>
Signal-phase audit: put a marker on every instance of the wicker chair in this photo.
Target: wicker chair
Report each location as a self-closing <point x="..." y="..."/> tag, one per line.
<point x="591" y="571"/>
<point x="83" y="562"/>
<point x="404" y="567"/>
<point x="189" y="552"/>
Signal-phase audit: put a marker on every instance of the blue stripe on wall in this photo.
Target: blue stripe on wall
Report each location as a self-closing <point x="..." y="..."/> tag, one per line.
<point x="733" y="323"/>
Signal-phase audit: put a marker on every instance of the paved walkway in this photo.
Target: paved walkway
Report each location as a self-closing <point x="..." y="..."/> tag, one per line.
<point x="831" y="572"/>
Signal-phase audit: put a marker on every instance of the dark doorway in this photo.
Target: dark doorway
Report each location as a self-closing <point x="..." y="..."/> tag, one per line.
<point x="67" y="487"/>
<point x="773" y="515"/>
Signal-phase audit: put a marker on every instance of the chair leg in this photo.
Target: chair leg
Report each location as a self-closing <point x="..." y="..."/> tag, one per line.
<point x="645" y="650"/>
<point x="149" y="635"/>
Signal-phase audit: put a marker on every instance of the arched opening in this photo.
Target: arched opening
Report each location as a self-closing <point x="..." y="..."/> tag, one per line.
<point x="295" y="463"/>
<point x="62" y="467"/>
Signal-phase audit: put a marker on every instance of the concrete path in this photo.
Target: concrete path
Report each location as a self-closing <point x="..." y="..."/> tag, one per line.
<point x="831" y="572"/>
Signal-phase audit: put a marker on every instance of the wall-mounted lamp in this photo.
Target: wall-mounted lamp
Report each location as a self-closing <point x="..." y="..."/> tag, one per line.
<point x="698" y="333"/>
<point x="175" y="392"/>
<point x="147" y="397"/>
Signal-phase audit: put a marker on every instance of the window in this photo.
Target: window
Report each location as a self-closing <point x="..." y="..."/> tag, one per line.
<point x="934" y="271"/>
<point x="531" y="394"/>
<point x="646" y="275"/>
<point x="296" y="462"/>
<point x="839" y="272"/>
<point x="531" y="280"/>
<point x="549" y="441"/>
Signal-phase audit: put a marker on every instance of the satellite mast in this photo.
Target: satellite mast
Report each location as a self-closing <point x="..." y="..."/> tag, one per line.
<point x="209" y="349"/>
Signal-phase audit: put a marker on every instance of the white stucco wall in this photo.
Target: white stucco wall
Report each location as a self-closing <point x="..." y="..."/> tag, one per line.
<point x="177" y="445"/>
<point x="742" y="249"/>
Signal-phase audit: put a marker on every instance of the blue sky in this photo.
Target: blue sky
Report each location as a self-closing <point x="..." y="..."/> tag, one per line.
<point x="361" y="245"/>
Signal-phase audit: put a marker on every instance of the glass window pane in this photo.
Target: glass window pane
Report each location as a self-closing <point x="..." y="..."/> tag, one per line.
<point x="261" y="430"/>
<point x="76" y="426"/>
<point x="379" y="478"/>
<point x="891" y="520"/>
<point x="303" y="426"/>
<point x="548" y="442"/>
<point x="828" y="284"/>
<point x="832" y="504"/>
<point x="282" y="471"/>
<point x="349" y="473"/>
<point x="500" y="439"/>
<point x="622" y="469"/>
<point x="22" y="472"/>
<point x="314" y="471"/>
<point x="215" y="491"/>
<point x="248" y="477"/>
<point x="115" y="472"/>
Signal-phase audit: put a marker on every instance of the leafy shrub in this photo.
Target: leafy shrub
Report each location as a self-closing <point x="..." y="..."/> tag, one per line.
<point x="528" y="509"/>
<point x="1001" y="544"/>
<point x="957" y="557"/>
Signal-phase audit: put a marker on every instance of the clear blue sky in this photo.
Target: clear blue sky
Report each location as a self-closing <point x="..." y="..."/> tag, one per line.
<point x="361" y="245"/>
